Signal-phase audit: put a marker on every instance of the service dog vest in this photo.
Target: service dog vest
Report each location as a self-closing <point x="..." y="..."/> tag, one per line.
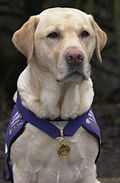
<point x="21" y="116"/>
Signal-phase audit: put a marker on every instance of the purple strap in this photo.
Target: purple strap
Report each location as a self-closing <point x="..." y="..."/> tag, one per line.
<point x="48" y="127"/>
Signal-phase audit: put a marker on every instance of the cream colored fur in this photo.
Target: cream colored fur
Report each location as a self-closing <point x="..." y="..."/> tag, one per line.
<point x="34" y="154"/>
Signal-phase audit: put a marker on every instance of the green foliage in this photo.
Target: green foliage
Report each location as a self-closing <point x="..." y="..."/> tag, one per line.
<point x="78" y="3"/>
<point x="90" y="6"/>
<point x="117" y="25"/>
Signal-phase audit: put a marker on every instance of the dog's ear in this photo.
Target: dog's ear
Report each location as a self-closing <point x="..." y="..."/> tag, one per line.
<point x="101" y="38"/>
<point x="23" y="39"/>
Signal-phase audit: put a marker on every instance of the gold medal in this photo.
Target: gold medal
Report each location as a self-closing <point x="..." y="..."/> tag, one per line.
<point x="63" y="149"/>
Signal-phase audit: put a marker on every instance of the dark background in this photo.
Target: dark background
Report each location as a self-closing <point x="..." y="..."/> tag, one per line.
<point x="106" y="76"/>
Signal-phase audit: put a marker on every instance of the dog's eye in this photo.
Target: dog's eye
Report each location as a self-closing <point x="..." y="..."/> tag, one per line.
<point x="84" y="34"/>
<point x="53" y="35"/>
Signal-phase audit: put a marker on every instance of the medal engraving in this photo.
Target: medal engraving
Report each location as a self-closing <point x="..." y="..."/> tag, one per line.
<point x="63" y="149"/>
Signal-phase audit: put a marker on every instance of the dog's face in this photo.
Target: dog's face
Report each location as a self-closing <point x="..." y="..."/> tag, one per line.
<point x="61" y="40"/>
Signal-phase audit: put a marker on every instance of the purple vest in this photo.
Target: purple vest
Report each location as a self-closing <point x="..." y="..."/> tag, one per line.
<point x="20" y="116"/>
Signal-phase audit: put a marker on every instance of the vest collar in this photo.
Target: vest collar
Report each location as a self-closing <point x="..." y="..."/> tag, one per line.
<point x="69" y="130"/>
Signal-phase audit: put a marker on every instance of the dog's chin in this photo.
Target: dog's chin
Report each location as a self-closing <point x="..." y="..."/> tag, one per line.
<point x="74" y="77"/>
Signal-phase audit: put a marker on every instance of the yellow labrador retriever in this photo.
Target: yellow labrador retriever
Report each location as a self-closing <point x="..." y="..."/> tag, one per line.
<point x="58" y="44"/>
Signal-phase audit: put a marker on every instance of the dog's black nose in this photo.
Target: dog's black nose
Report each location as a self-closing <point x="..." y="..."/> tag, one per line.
<point x="74" y="57"/>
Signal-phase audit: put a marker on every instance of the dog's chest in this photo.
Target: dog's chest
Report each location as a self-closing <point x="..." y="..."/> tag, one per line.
<point x="39" y="153"/>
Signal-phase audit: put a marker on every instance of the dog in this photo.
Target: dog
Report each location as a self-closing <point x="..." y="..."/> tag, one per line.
<point x="56" y="87"/>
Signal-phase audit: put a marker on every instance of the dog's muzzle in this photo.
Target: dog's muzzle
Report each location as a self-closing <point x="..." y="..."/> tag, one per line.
<point x="77" y="67"/>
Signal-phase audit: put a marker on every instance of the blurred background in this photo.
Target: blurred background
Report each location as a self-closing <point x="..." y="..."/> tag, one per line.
<point x="106" y="76"/>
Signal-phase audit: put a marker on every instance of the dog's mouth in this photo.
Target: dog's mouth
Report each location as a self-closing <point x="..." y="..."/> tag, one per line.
<point x="72" y="76"/>
<point x="75" y="74"/>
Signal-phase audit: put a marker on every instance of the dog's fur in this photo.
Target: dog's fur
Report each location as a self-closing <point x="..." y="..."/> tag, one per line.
<point x="49" y="88"/>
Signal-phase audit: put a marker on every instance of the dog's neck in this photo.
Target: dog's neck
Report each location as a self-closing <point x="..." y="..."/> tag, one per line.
<point x="41" y="94"/>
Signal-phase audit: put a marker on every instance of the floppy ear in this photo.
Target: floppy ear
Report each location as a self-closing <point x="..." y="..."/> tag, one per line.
<point x="24" y="37"/>
<point x="101" y="38"/>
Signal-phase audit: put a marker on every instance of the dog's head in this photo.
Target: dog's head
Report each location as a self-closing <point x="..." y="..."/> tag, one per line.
<point x="61" y="40"/>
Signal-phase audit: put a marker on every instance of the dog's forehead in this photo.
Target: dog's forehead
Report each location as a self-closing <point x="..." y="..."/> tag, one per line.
<point x="55" y="16"/>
